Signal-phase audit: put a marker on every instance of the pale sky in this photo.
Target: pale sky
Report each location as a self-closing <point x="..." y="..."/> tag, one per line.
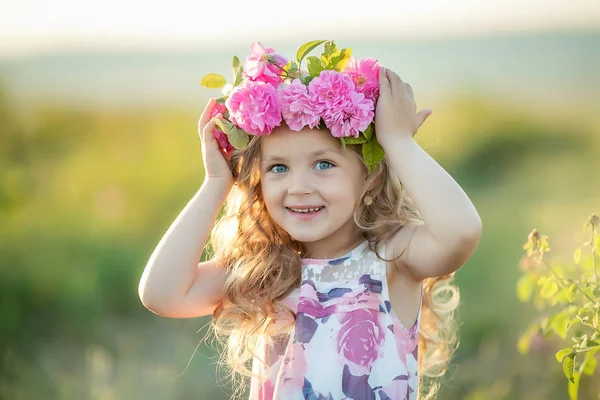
<point x="31" y="26"/>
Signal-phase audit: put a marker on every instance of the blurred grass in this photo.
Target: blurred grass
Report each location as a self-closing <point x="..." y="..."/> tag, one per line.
<point x="86" y="195"/>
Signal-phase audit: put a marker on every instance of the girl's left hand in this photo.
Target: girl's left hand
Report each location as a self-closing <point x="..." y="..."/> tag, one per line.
<point x="396" y="111"/>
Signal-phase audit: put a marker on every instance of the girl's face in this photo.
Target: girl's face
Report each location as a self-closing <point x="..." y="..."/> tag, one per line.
<point x="310" y="185"/>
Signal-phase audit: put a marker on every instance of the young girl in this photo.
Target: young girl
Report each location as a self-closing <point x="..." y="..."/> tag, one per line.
<point x="328" y="280"/>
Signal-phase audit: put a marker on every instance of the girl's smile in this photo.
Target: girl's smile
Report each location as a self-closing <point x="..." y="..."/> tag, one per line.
<point x="305" y="213"/>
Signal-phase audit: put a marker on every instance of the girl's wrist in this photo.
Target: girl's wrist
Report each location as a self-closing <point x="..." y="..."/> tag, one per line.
<point x="219" y="185"/>
<point x="393" y="140"/>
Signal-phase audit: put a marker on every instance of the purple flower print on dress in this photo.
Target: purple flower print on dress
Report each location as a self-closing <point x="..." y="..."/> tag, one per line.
<point x="360" y="339"/>
<point x="356" y="387"/>
<point x="372" y="285"/>
<point x="305" y="328"/>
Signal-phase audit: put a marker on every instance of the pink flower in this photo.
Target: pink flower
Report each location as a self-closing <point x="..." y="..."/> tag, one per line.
<point x="264" y="65"/>
<point x="296" y="107"/>
<point x="360" y="338"/>
<point x="351" y="117"/>
<point x="365" y="76"/>
<point x="329" y="91"/>
<point x="345" y="112"/>
<point x="220" y="136"/>
<point x="254" y="107"/>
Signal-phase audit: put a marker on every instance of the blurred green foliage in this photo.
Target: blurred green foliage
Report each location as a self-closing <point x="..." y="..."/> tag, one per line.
<point x="85" y="195"/>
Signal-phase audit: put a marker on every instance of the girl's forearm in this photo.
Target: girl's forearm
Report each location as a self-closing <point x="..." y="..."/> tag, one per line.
<point x="172" y="266"/>
<point x="444" y="206"/>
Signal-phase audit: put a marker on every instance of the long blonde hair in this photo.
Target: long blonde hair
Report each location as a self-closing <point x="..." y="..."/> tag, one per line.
<point x="263" y="263"/>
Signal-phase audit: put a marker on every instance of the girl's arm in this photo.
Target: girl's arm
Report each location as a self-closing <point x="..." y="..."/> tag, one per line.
<point x="452" y="227"/>
<point x="173" y="284"/>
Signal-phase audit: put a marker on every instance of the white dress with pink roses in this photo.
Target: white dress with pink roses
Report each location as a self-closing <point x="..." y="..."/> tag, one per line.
<point x="346" y="342"/>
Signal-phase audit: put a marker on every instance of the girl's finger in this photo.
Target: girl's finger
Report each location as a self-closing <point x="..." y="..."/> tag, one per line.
<point x="207" y="132"/>
<point x="384" y="83"/>
<point x="410" y="91"/>
<point x="205" y="117"/>
<point x="396" y="83"/>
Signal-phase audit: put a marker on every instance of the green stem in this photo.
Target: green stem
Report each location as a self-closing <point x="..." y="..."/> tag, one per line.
<point x="568" y="282"/>
<point x="593" y="242"/>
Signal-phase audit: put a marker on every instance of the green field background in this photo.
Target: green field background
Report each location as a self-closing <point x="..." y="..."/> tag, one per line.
<point x="98" y="154"/>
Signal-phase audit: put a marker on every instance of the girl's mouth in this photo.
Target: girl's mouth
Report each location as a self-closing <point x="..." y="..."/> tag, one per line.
<point x="305" y="213"/>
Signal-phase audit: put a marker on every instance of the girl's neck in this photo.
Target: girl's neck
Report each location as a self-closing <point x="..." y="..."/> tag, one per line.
<point x="331" y="247"/>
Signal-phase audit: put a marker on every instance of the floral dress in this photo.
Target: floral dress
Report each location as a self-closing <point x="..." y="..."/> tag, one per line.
<point x="346" y="342"/>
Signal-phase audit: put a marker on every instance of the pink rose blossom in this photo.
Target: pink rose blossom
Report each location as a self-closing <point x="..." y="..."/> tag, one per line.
<point x="365" y="76"/>
<point x="220" y="136"/>
<point x="345" y="112"/>
<point x="329" y="91"/>
<point x="296" y="107"/>
<point x="254" y="107"/>
<point x="360" y="339"/>
<point x="259" y="68"/>
<point x="350" y="117"/>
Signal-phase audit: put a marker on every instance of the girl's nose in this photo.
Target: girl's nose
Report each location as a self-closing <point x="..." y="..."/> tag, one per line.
<point x="300" y="183"/>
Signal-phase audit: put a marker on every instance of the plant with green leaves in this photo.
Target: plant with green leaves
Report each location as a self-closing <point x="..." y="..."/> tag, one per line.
<point x="332" y="91"/>
<point x="568" y="295"/>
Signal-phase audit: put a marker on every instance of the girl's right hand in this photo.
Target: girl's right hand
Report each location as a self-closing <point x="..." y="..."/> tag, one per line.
<point x="216" y="166"/>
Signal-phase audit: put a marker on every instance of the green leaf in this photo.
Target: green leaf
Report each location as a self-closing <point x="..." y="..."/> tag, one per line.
<point x="329" y="50"/>
<point x="237" y="71"/>
<point x="213" y="81"/>
<point x="291" y="70"/>
<point x="549" y="289"/>
<point x="589" y="362"/>
<point x="562" y="353"/>
<point x="343" y="62"/>
<point x="307" y="48"/>
<point x="524" y="288"/>
<point x="369" y="131"/>
<point x="314" y="65"/>
<point x="569" y="367"/>
<point x="559" y="324"/>
<point x="353" y="140"/>
<point x="373" y="153"/>
<point x="237" y="137"/>
<point x="306" y="80"/>
<point x="338" y="60"/>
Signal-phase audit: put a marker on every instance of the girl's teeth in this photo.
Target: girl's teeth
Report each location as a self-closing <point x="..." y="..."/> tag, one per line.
<point x="307" y="210"/>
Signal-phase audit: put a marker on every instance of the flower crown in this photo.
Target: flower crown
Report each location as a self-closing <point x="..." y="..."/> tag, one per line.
<point x="333" y="91"/>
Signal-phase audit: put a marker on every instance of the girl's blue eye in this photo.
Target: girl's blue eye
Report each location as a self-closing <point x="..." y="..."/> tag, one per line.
<point x="327" y="164"/>
<point x="278" y="168"/>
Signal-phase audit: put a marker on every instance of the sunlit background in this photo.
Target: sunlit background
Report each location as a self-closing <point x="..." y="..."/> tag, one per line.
<point x="99" y="103"/>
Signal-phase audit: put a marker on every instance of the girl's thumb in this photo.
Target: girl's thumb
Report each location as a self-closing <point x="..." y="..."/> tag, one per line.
<point x="423" y="115"/>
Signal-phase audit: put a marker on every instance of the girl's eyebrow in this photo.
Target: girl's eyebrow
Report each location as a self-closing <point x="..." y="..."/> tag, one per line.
<point x="313" y="154"/>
